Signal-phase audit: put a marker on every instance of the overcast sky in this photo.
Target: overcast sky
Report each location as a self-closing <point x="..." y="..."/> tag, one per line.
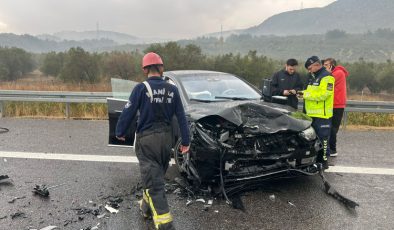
<point x="142" y="18"/>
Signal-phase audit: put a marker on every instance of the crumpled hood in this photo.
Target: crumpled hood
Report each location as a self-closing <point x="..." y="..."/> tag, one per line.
<point x="257" y="116"/>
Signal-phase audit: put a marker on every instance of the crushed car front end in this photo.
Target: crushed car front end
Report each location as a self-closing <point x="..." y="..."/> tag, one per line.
<point x="246" y="143"/>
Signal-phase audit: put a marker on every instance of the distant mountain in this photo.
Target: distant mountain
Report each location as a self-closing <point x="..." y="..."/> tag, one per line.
<point x="352" y="16"/>
<point x="119" y="38"/>
<point x="33" y="44"/>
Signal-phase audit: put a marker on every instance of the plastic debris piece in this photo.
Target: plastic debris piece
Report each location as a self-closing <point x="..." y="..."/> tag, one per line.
<point x="114" y="202"/>
<point x="176" y="191"/>
<point x="5" y="160"/>
<point x="217" y="211"/>
<point x="210" y="202"/>
<point x="291" y="203"/>
<point x="96" y="227"/>
<point x="101" y="216"/>
<point x="200" y="200"/>
<point x="49" y="228"/>
<point x="332" y="192"/>
<point x="67" y="222"/>
<point x="16" y="198"/>
<point x="110" y="209"/>
<point x="41" y="190"/>
<point x="189" y="202"/>
<point x="272" y="197"/>
<point x="18" y="214"/>
<point x="3" y="178"/>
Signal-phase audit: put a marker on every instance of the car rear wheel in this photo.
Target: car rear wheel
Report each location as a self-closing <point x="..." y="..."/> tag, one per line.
<point x="179" y="157"/>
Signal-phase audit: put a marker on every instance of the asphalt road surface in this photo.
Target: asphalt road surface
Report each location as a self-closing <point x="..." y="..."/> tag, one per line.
<point x="74" y="155"/>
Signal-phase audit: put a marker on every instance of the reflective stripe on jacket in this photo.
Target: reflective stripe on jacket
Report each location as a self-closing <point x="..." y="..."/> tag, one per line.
<point x="319" y="95"/>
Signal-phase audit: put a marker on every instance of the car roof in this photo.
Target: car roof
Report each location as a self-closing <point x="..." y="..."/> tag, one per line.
<point x="178" y="73"/>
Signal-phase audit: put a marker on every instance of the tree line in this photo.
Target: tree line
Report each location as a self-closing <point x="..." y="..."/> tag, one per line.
<point x="79" y="66"/>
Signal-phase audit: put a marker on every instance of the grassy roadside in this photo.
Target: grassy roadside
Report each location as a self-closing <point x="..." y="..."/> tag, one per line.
<point x="99" y="111"/>
<point x="55" y="110"/>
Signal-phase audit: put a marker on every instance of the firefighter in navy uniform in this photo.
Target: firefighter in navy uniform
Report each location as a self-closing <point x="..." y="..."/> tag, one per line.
<point x="157" y="101"/>
<point x="319" y="99"/>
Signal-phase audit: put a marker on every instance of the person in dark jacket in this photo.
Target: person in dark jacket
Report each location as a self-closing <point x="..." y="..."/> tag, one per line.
<point x="287" y="82"/>
<point x="340" y="74"/>
<point x="157" y="102"/>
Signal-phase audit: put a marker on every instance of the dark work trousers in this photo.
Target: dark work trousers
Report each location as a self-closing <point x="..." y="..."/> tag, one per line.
<point x="336" y="122"/>
<point x="322" y="127"/>
<point x="153" y="150"/>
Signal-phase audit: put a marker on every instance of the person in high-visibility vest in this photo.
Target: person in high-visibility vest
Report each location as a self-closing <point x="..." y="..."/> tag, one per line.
<point x="319" y="98"/>
<point x="157" y="101"/>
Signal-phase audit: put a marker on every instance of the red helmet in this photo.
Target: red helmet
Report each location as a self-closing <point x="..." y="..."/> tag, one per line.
<point x="151" y="59"/>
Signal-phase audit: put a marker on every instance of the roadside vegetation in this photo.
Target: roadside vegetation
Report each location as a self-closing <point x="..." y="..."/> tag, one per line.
<point x="79" y="70"/>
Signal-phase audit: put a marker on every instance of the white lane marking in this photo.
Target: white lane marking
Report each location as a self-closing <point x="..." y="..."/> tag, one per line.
<point x="133" y="159"/>
<point x="71" y="157"/>
<point x="361" y="170"/>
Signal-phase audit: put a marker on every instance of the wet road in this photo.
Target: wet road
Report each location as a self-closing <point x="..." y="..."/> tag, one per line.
<point x="298" y="204"/>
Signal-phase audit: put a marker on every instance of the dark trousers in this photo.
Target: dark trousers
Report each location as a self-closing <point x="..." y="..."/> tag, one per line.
<point x="336" y="122"/>
<point x="323" y="128"/>
<point x="153" y="150"/>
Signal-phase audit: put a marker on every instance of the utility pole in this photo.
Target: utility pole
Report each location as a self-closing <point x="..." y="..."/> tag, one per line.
<point x="221" y="39"/>
<point x="97" y="31"/>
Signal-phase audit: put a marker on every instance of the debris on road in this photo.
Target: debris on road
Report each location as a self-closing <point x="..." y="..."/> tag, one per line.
<point x="3" y="217"/>
<point x="101" y="216"/>
<point x="4" y="178"/>
<point x="84" y="211"/>
<point x="136" y="190"/>
<point x="332" y="192"/>
<point x="290" y="203"/>
<point x="18" y="214"/>
<point x="114" y="202"/>
<point x="96" y="227"/>
<point x="16" y="198"/>
<point x="201" y="200"/>
<point x="272" y="197"/>
<point x="41" y="190"/>
<point x="110" y="209"/>
<point x="189" y="202"/>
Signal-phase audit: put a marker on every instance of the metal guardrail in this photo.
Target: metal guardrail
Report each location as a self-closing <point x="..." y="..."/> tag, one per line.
<point x="101" y="97"/>
<point x="53" y="96"/>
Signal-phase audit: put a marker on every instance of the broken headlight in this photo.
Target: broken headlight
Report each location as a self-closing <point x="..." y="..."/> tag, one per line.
<point x="308" y="134"/>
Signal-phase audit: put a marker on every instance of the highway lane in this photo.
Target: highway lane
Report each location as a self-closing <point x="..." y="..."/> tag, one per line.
<point x="92" y="180"/>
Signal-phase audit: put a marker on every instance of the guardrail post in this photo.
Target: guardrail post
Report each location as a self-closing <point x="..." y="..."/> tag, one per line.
<point x="67" y="110"/>
<point x="344" y="119"/>
<point x="1" y="109"/>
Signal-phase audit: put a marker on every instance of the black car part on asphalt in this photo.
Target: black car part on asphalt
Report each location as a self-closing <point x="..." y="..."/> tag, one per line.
<point x="3" y="130"/>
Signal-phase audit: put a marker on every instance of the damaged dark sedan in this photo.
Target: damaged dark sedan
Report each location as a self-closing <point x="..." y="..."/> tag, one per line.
<point x="237" y="139"/>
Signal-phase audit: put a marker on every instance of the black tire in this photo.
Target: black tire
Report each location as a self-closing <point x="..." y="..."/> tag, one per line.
<point x="179" y="157"/>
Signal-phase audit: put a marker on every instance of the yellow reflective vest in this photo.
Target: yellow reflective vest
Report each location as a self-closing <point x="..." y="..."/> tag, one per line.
<point x="319" y="95"/>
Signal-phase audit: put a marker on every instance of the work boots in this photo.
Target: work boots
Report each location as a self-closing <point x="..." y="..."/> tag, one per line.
<point x="168" y="226"/>
<point x="145" y="209"/>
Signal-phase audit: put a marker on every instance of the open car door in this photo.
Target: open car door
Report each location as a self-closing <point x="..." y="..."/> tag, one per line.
<point x="121" y="90"/>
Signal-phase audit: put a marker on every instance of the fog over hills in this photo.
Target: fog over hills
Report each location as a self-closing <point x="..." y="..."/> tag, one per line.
<point x="352" y="16"/>
<point x="346" y="29"/>
<point x="120" y="38"/>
